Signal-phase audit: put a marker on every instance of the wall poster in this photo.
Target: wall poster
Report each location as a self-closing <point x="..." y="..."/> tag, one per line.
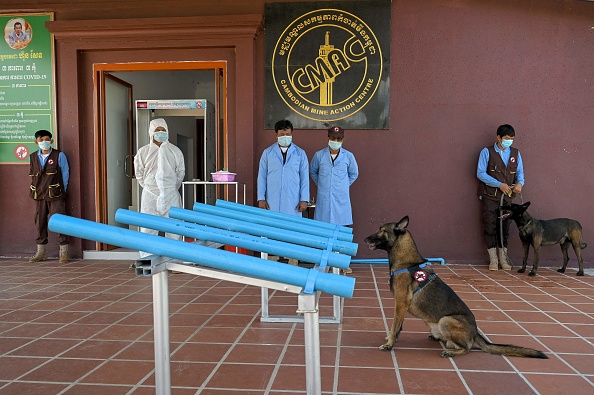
<point x="328" y="63"/>
<point x="26" y="84"/>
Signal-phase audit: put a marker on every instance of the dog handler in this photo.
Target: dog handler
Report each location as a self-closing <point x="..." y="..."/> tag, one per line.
<point x="49" y="172"/>
<point x="501" y="172"/>
<point x="159" y="169"/>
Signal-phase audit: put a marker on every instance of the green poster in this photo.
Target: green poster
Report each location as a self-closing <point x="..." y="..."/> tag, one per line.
<point x="26" y="84"/>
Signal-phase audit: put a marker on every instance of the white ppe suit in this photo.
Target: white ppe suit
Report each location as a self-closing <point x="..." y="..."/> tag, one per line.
<point x="160" y="171"/>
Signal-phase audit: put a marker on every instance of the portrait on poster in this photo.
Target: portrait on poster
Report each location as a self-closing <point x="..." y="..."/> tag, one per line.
<point x="18" y="33"/>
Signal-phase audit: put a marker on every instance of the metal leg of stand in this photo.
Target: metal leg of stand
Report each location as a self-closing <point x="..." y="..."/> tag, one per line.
<point x="264" y="293"/>
<point x="311" y="327"/>
<point x="161" y="329"/>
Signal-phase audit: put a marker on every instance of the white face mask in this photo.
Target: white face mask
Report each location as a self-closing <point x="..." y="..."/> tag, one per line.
<point x="161" y="136"/>
<point x="335" y="145"/>
<point x="44" y="145"/>
<point x="285" y="141"/>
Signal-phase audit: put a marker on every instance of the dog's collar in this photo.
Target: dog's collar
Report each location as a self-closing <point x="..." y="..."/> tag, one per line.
<point x="411" y="269"/>
<point x="418" y="274"/>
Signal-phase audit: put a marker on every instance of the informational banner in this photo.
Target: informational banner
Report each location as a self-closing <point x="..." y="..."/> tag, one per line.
<point x="26" y="84"/>
<point x="328" y="63"/>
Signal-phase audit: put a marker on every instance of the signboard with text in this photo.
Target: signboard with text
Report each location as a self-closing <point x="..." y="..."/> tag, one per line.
<point x="26" y="84"/>
<point x="328" y="63"/>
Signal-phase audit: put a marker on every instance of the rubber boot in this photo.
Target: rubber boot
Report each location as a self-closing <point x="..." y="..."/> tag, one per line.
<point x="40" y="255"/>
<point x="503" y="259"/>
<point x="493" y="262"/>
<point x="63" y="253"/>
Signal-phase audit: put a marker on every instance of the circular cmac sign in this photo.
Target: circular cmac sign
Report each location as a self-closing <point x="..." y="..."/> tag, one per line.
<point x="327" y="65"/>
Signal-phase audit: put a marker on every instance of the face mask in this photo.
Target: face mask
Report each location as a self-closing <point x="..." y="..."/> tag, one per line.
<point x="285" y="141"/>
<point x="44" y="145"/>
<point x="160" y="136"/>
<point x="506" y="143"/>
<point x="335" y="145"/>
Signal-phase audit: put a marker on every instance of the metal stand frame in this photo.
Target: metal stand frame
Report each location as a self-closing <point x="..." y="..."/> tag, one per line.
<point x="158" y="267"/>
<point x="336" y="307"/>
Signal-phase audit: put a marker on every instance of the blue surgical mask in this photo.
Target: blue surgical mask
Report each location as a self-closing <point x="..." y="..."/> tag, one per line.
<point x="161" y="137"/>
<point x="335" y="145"/>
<point x="506" y="143"/>
<point x="285" y="141"/>
<point x="44" y="145"/>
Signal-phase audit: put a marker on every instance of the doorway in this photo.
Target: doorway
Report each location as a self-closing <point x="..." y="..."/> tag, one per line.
<point x="116" y="144"/>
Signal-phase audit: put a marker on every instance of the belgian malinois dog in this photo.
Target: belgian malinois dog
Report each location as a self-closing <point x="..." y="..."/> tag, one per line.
<point x="536" y="233"/>
<point x="418" y="290"/>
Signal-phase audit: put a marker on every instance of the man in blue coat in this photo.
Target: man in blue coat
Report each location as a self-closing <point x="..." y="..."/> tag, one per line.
<point x="334" y="169"/>
<point x="283" y="175"/>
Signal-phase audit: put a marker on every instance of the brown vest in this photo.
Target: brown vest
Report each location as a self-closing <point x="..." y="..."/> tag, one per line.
<point x="502" y="173"/>
<point x="46" y="183"/>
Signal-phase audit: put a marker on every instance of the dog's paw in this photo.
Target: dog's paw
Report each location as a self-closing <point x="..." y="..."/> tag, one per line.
<point x="532" y="273"/>
<point x="521" y="270"/>
<point x="386" y="347"/>
<point x="431" y="337"/>
<point x="561" y="270"/>
<point x="580" y="273"/>
<point x="446" y="354"/>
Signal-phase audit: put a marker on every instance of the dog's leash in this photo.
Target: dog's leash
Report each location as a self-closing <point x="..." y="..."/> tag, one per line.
<point x="509" y="262"/>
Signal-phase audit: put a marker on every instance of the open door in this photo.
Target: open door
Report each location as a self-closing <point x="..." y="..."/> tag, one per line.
<point x="115" y="147"/>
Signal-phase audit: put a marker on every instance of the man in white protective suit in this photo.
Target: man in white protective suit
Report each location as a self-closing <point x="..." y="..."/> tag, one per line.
<point x="159" y="169"/>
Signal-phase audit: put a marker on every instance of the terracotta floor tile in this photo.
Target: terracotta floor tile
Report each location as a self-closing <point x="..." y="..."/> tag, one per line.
<point x="200" y="352"/>
<point x="568" y="345"/>
<point x="496" y="383"/>
<point x="216" y="335"/>
<point x="14" y="367"/>
<point x="295" y="355"/>
<point x="248" y="377"/>
<point x="293" y="378"/>
<point x="96" y="349"/>
<point x="90" y="389"/>
<point x="18" y="388"/>
<point x="44" y="348"/>
<point x="368" y="381"/>
<point x="265" y="336"/>
<point x="547" y="384"/>
<point x="32" y="330"/>
<point x="248" y="353"/>
<point x="119" y="372"/>
<point x="547" y="329"/>
<point x="75" y="331"/>
<point x="123" y="332"/>
<point x="62" y="370"/>
<point x="580" y="362"/>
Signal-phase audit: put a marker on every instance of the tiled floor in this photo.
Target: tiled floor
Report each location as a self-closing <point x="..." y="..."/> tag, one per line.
<point x="86" y="328"/>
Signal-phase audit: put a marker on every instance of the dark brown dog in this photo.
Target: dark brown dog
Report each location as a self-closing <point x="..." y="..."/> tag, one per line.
<point x="418" y="290"/>
<point x="537" y="232"/>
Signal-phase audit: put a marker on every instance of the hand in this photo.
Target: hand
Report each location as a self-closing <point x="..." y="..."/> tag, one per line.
<point x="263" y="204"/>
<point x="505" y="189"/>
<point x="301" y="207"/>
<point x="517" y="188"/>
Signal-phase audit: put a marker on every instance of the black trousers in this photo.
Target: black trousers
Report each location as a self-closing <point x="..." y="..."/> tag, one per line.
<point x="45" y="209"/>
<point x="491" y="232"/>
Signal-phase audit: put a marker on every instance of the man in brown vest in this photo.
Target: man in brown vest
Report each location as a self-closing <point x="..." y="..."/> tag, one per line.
<point x="501" y="173"/>
<point x="49" y="173"/>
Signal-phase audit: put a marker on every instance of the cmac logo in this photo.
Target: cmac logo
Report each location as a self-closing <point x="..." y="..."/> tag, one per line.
<point x="327" y="65"/>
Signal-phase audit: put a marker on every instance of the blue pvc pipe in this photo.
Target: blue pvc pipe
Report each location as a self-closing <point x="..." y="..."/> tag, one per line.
<point x="255" y="267"/>
<point x="384" y="261"/>
<point x="274" y="214"/>
<point x="235" y="239"/>
<point x="270" y="232"/>
<point x="261" y="219"/>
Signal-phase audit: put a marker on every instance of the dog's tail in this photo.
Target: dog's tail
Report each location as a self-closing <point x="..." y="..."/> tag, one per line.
<point x="583" y="245"/>
<point x="508" y="350"/>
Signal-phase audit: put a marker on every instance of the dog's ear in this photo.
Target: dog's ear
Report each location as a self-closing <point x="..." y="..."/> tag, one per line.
<point x="525" y="205"/>
<point x="403" y="223"/>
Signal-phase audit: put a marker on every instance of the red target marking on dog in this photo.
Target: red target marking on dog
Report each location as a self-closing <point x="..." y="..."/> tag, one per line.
<point x="420" y="276"/>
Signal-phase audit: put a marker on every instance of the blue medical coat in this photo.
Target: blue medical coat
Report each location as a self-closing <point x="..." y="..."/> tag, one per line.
<point x="283" y="186"/>
<point x="333" y="203"/>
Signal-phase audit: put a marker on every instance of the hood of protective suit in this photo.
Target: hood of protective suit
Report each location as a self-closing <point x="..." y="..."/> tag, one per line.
<point x="155" y="123"/>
